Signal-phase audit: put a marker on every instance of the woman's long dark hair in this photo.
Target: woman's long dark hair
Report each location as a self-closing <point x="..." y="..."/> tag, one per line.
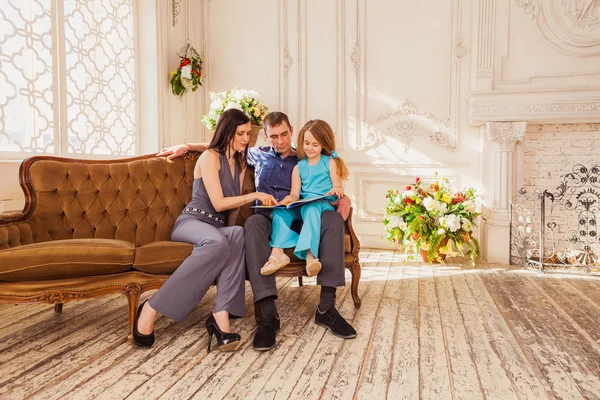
<point x="225" y="132"/>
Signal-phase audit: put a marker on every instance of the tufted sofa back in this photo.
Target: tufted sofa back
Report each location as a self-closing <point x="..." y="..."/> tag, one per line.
<point x="135" y="199"/>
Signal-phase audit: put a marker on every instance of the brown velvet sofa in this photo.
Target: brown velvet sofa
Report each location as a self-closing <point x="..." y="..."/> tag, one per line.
<point x="92" y="227"/>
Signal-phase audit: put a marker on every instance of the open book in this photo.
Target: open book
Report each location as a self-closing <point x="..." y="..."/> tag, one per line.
<point x="300" y="202"/>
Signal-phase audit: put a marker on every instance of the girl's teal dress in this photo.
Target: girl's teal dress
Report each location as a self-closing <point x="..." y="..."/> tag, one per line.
<point x="316" y="181"/>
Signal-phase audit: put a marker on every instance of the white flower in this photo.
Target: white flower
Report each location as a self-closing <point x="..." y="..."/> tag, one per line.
<point x="528" y="229"/>
<point x="442" y="208"/>
<point x="469" y="206"/>
<point x="216" y="104"/>
<point x="466" y="224"/>
<point x="252" y="94"/>
<point x="394" y="221"/>
<point x="231" y="105"/>
<point x="441" y="231"/>
<point x="409" y="193"/>
<point x="403" y="225"/>
<point x="430" y="204"/>
<point x="238" y="95"/>
<point x="452" y="222"/>
<point x="186" y="72"/>
<point x="397" y="201"/>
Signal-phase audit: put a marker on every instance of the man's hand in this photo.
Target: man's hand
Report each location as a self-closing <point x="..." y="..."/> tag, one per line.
<point x="174" y="151"/>
<point x="343" y="206"/>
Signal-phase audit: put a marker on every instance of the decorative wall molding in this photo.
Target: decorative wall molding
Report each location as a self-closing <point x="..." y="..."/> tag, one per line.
<point x="569" y="25"/>
<point x="368" y="136"/>
<point x="407" y="108"/>
<point x="544" y="107"/>
<point x="583" y="14"/>
<point x="485" y="39"/>
<point x="530" y="7"/>
<point x="355" y="57"/>
<point x="405" y="131"/>
<point x="505" y="134"/>
<point x="175" y="10"/>
<point x="288" y="61"/>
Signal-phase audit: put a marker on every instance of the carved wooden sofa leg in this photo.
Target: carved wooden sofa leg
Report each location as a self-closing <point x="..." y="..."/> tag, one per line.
<point x="300" y="283"/>
<point x="355" y="271"/>
<point x="58" y="308"/>
<point x="133" y="292"/>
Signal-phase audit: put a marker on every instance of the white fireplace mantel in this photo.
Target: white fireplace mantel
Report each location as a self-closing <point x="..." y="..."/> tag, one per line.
<point x="545" y="107"/>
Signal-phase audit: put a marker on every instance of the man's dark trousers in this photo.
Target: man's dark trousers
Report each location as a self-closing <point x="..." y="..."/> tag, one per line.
<point x="257" y="232"/>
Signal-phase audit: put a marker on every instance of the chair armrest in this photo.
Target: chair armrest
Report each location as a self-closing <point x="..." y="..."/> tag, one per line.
<point x="354" y="242"/>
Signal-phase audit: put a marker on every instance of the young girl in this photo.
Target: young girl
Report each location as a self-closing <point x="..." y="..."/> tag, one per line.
<point x="320" y="172"/>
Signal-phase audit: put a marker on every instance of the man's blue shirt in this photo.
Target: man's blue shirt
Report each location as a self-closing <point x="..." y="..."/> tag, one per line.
<point x="272" y="172"/>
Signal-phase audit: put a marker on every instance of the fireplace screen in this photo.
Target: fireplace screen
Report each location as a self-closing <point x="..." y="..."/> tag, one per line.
<point x="558" y="228"/>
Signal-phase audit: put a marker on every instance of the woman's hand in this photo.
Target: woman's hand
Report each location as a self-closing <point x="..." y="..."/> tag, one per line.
<point x="174" y="151"/>
<point x="287" y="200"/>
<point x="265" y="198"/>
<point x="337" y="190"/>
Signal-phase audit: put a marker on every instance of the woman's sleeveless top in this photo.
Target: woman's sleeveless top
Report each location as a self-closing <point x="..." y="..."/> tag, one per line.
<point x="229" y="185"/>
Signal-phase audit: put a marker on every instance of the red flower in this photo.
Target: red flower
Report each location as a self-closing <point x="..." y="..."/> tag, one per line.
<point x="185" y="62"/>
<point x="466" y="237"/>
<point x="458" y="197"/>
<point x="417" y="180"/>
<point x="420" y="217"/>
<point x="408" y="187"/>
<point x="415" y="236"/>
<point x="408" y="200"/>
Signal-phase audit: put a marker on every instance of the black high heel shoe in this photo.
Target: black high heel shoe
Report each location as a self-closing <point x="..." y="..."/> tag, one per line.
<point x="226" y="341"/>
<point x="139" y="339"/>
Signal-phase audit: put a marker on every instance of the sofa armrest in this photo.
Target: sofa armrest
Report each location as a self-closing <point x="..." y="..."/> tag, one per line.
<point x="11" y="216"/>
<point x="13" y="234"/>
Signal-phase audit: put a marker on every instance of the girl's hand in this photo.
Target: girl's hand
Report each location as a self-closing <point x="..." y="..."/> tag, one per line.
<point x="337" y="190"/>
<point x="287" y="200"/>
<point x="265" y="198"/>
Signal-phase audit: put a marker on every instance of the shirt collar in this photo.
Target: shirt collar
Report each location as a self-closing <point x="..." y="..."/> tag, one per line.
<point x="274" y="152"/>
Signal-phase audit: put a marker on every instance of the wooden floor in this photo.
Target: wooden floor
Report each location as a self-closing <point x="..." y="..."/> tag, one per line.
<point x="428" y="332"/>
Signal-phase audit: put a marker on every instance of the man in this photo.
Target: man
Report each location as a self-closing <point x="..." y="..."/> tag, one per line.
<point x="273" y="167"/>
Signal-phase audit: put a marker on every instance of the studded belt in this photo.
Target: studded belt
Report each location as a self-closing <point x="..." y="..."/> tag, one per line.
<point x="209" y="215"/>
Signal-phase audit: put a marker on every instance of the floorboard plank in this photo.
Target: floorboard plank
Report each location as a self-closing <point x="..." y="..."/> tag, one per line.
<point x="465" y="380"/>
<point x="525" y="376"/>
<point x="435" y="379"/>
<point x="404" y="379"/>
<point x="550" y="359"/>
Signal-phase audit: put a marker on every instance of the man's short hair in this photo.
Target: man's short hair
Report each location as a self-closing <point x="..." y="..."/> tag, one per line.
<point x="275" y="118"/>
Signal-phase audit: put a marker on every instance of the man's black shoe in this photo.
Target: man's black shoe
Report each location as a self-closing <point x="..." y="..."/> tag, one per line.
<point x="264" y="339"/>
<point x="333" y="321"/>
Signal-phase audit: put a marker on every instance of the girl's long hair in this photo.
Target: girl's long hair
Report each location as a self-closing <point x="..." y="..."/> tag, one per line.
<point x="323" y="134"/>
<point x="225" y="132"/>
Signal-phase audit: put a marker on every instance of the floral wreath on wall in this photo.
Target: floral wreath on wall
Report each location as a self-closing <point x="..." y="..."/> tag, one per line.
<point x="189" y="75"/>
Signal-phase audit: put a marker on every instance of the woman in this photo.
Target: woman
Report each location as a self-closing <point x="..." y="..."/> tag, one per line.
<point x="218" y="254"/>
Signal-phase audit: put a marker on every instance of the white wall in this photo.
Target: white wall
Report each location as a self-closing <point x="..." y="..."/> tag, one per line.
<point x="385" y="74"/>
<point x="411" y="88"/>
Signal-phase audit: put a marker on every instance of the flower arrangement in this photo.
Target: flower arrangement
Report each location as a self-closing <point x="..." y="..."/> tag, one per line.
<point x="432" y="218"/>
<point x="247" y="101"/>
<point x="189" y="75"/>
